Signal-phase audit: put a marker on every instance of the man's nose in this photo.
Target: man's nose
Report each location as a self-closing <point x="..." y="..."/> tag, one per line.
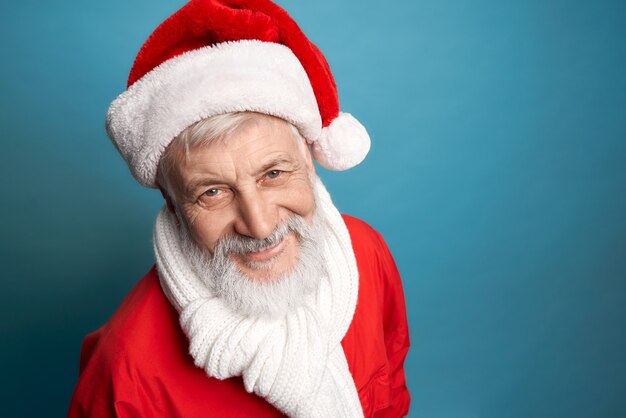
<point x="258" y="217"/>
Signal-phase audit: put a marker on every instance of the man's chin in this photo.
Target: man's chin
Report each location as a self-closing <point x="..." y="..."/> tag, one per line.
<point x="271" y="264"/>
<point x="262" y="271"/>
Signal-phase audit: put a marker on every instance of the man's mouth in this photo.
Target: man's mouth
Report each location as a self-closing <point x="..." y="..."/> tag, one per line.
<point x="266" y="253"/>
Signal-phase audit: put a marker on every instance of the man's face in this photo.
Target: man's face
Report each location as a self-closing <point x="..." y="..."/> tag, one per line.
<point x="247" y="185"/>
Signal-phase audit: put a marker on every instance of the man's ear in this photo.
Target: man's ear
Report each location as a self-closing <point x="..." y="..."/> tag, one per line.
<point x="168" y="200"/>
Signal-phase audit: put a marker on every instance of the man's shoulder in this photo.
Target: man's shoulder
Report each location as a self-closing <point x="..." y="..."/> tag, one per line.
<point x="145" y="300"/>
<point x="377" y="268"/>
<point x="365" y="239"/>
<point x="143" y="317"/>
<point x="138" y="363"/>
<point x="357" y="226"/>
<point x="374" y="335"/>
<point x="118" y="358"/>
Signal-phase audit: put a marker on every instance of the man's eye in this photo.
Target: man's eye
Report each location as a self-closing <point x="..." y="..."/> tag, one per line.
<point x="215" y="197"/>
<point x="272" y="174"/>
<point x="212" y="192"/>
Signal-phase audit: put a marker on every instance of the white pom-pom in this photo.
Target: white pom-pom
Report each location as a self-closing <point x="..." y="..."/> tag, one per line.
<point x="343" y="144"/>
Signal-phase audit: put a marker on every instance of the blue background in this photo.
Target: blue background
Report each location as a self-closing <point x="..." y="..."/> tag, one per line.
<point x="497" y="176"/>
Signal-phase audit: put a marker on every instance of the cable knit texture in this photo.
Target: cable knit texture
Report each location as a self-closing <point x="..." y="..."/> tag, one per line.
<point x="294" y="361"/>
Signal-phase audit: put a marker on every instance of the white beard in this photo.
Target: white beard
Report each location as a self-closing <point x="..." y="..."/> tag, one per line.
<point x="276" y="297"/>
<point x="294" y="360"/>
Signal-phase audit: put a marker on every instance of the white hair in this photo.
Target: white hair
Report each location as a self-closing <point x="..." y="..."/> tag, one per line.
<point x="202" y="133"/>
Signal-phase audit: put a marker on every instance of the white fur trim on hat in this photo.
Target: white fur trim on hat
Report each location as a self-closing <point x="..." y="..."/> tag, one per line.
<point x="343" y="144"/>
<point x="235" y="76"/>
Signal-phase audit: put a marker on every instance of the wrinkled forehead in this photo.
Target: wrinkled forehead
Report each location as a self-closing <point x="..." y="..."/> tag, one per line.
<point x="250" y="142"/>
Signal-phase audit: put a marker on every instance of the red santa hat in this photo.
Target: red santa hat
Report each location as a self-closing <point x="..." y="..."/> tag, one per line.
<point x="217" y="56"/>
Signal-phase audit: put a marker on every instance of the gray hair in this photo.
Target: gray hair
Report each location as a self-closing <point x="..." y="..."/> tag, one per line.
<point x="204" y="132"/>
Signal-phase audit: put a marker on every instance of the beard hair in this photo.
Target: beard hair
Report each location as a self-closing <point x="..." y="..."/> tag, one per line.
<point x="273" y="297"/>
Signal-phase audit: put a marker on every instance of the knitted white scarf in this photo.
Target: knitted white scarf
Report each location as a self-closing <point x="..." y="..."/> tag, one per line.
<point x="296" y="361"/>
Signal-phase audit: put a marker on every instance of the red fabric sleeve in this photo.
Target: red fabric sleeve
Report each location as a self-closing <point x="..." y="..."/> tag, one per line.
<point x="103" y="391"/>
<point x="138" y="365"/>
<point x="396" y="331"/>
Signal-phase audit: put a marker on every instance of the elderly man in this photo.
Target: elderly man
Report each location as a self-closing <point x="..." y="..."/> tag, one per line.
<point x="264" y="299"/>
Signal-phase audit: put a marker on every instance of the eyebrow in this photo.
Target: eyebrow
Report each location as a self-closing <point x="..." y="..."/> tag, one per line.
<point x="273" y="163"/>
<point x="195" y="185"/>
<point x="207" y="181"/>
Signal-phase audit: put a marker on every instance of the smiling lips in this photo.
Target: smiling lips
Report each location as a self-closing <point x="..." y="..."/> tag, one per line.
<point x="267" y="253"/>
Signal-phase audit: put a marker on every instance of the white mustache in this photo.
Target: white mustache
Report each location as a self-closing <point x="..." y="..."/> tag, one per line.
<point x="239" y="244"/>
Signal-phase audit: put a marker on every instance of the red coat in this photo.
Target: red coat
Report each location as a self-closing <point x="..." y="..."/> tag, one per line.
<point x="137" y="364"/>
